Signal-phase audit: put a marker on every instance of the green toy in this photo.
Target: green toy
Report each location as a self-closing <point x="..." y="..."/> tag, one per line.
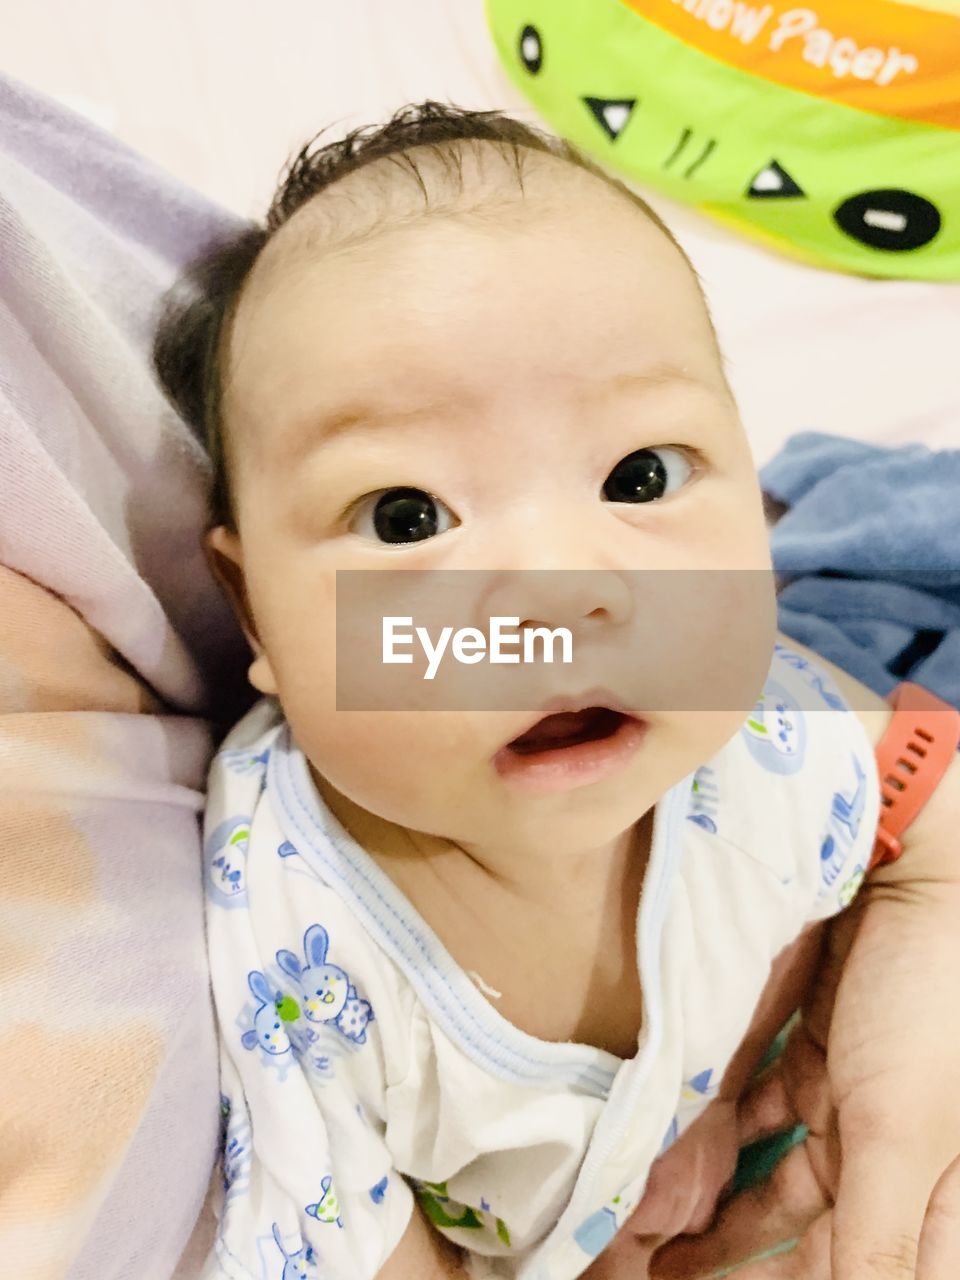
<point x="832" y="133"/>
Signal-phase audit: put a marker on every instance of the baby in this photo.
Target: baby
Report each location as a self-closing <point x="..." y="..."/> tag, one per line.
<point x="481" y="969"/>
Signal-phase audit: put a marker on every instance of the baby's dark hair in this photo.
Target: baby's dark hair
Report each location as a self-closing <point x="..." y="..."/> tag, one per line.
<point x="190" y="345"/>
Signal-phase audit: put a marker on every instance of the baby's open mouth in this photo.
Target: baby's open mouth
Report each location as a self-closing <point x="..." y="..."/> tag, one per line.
<point x="571" y="747"/>
<point x="568" y="729"/>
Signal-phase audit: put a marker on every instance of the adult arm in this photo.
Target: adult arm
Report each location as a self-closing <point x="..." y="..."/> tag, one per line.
<point x="873" y="1071"/>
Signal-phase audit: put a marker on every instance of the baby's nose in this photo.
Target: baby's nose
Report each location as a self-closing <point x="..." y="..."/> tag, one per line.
<point x="579" y="599"/>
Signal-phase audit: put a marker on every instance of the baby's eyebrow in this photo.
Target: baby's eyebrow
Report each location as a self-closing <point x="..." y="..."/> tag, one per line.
<point x="296" y="440"/>
<point x="299" y="439"/>
<point x="663" y="374"/>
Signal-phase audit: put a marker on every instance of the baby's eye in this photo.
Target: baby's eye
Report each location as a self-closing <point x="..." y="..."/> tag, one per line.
<point x="646" y="475"/>
<point x="401" y="515"/>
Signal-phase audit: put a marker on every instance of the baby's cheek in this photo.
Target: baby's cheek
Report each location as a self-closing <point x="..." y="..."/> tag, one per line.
<point x="363" y="755"/>
<point x="400" y="766"/>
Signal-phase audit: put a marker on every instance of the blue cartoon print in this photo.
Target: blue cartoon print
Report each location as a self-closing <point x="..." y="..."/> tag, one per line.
<point x="299" y="1265"/>
<point x="699" y="1087"/>
<point x="775" y="732"/>
<point x="297" y="1003"/>
<point x="815" y="678"/>
<point x="327" y="1208"/>
<point x="842" y="829"/>
<point x="225" y="859"/>
<point x="275" y="1014"/>
<point x="378" y="1192"/>
<point x="848" y="810"/>
<point x="704" y="799"/>
<point x="328" y="995"/>
<point x="236" y="1146"/>
<point x="594" y="1234"/>
<point x="243" y="761"/>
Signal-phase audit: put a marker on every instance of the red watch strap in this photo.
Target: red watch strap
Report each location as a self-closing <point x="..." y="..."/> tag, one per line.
<point x="912" y="756"/>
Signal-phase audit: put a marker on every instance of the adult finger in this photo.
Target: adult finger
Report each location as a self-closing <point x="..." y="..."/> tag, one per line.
<point x="940" y="1240"/>
<point x="796" y="1089"/>
<point x="781" y="1209"/>
<point x="881" y="1202"/>
<point x="809" y="1259"/>
<point x="766" y="1108"/>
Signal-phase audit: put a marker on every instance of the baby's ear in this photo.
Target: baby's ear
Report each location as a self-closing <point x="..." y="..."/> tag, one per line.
<point x="225" y="556"/>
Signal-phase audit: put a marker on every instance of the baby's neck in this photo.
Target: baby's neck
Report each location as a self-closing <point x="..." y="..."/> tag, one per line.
<point x="586" y="881"/>
<point x="541" y="924"/>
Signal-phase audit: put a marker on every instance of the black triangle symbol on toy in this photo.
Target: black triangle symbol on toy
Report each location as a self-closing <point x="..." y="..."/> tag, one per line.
<point x="612" y="114"/>
<point x="774" y="183"/>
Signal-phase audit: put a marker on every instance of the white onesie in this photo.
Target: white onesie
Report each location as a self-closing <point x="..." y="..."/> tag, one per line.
<point x="361" y="1067"/>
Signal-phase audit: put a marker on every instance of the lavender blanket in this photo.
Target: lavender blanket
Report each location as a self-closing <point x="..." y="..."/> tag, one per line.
<point x="110" y="630"/>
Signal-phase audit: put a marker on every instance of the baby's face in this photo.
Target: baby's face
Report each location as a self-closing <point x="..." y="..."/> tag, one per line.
<point x="504" y="369"/>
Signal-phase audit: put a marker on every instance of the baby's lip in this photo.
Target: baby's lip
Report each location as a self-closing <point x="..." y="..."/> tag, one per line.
<point x="597" y="697"/>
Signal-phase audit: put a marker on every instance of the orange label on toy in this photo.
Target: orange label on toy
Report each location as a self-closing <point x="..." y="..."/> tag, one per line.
<point x="875" y="55"/>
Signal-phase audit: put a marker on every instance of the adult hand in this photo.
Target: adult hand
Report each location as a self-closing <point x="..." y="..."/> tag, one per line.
<point x="873" y="1070"/>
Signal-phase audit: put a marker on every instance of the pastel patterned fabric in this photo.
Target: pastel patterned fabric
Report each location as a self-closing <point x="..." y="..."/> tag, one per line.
<point x="362" y="1069"/>
<point x="110" y="630"/>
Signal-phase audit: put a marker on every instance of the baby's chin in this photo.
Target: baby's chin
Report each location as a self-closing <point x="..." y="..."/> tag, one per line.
<point x="552" y="795"/>
<point x="427" y="811"/>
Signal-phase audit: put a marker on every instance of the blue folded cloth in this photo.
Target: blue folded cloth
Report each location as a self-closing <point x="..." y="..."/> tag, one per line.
<point x="868" y="558"/>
